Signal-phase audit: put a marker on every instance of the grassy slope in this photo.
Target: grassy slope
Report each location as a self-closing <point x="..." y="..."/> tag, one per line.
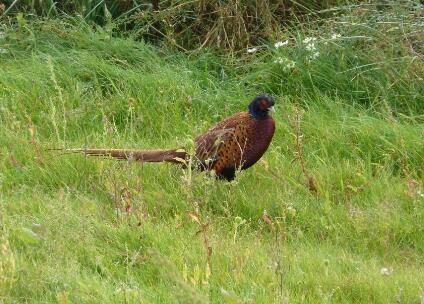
<point x="93" y="230"/>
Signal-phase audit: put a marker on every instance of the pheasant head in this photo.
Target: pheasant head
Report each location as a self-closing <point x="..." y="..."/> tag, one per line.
<point x="260" y="106"/>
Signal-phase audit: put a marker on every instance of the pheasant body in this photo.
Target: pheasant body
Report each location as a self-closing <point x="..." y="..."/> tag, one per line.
<point x="235" y="143"/>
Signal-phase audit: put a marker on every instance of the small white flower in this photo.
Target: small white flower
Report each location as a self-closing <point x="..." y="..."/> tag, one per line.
<point x="308" y="40"/>
<point x="288" y="64"/>
<point x="280" y="44"/>
<point x="386" y="271"/>
<point x="291" y="211"/>
<point x="310" y="47"/>
<point x="279" y="60"/>
<point x="252" y="50"/>
<point x="335" y="36"/>
<point x="314" y="55"/>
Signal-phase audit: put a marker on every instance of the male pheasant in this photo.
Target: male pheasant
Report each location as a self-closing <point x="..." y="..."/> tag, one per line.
<point x="235" y="143"/>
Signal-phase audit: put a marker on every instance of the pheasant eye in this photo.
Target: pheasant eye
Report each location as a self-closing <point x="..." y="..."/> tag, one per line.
<point x="263" y="104"/>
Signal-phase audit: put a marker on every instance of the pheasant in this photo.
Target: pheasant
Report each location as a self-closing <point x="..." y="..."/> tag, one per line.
<point x="235" y="143"/>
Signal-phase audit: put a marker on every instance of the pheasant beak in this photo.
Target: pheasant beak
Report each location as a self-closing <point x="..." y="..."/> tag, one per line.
<point x="271" y="109"/>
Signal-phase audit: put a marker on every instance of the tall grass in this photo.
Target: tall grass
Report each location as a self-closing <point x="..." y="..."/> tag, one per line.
<point x="84" y="230"/>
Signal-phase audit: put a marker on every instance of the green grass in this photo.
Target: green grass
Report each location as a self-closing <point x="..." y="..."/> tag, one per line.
<point x="85" y="230"/>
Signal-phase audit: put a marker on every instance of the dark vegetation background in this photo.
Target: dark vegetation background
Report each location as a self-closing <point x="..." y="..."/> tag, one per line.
<point x="229" y="25"/>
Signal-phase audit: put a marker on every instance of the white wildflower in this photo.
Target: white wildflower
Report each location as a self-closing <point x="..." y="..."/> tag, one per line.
<point x="314" y="55"/>
<point x="310" y="47"/>
<point x="279" y="60"/>
<point x="252" y="50"/>
<point x="280" y="44"/>
<point x="288" y="63"/>
<point x="310" y="43"/>
<point x="386" y="271"/>
<point x="291" y="211"/>
<point x="335" y="36"/>
<point x="309" y="40"/>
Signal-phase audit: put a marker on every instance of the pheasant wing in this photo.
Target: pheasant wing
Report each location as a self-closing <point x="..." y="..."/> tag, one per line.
<point x="209" y="144"/>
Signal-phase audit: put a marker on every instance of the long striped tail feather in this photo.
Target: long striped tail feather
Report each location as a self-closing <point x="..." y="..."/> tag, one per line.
<point x="173" y="155"/>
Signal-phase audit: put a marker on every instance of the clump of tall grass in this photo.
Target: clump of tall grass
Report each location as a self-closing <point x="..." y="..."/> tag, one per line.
<point x="229" y="25"/>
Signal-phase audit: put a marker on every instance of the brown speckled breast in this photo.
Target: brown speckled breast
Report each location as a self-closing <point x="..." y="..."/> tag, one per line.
<point x="236" y="142"/>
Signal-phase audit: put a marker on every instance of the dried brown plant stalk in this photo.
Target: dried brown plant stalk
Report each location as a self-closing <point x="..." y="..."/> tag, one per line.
<point x="295" y="125"/>
<point x="203" y="229"/>
<point x="196" y="216"/>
